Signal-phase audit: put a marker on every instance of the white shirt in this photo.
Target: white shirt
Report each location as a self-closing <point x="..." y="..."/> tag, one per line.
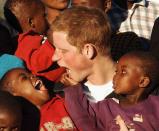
<point x="97" y="93"/>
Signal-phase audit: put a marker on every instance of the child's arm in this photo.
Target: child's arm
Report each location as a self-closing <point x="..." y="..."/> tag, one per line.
<point x="121" y="123"/>
<point x="37" y="56"/>
<point x="80" y="109"/>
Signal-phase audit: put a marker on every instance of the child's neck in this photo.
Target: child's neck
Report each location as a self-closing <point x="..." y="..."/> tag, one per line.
<point x="130" y="100"/>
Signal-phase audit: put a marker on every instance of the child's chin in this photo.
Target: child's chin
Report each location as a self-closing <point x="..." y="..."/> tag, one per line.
<point x="116" y="91"/>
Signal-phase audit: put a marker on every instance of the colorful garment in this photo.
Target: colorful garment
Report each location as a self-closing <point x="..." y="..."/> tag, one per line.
<point x="100" y="116"/>
<point x="54" y="116"/>
<point x="141" y="18"/>
<point x="37" y="53"/>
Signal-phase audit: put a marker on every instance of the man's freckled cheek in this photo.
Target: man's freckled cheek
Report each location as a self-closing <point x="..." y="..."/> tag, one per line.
<point x="69" y="61"/>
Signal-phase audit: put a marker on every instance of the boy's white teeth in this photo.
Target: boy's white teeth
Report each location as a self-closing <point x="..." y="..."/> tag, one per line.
<point x="38" y="84"/>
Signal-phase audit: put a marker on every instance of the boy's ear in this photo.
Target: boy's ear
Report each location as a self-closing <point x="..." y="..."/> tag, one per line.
<point x="88" y="51"/>
<point x="31" y="22"/>
<point x="144" y="82"/>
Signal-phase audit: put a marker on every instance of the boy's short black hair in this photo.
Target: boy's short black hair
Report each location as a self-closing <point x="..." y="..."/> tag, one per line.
<point x="9" y="103"/>
<point x="11" y="10"/>
<point x="149" y="65"/>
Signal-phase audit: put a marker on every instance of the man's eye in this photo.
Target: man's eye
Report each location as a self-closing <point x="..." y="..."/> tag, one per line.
<point x="63" y="51"/>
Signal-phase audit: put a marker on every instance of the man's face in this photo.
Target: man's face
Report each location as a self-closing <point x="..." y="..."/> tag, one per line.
<point x="68" y="56"/>
<point x="26" y="85"/>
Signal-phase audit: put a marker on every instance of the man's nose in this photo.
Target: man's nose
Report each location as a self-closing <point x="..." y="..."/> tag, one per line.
<point x="56" y="56"/>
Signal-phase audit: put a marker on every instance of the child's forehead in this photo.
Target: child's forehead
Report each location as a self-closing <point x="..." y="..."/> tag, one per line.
<point x="129" y="60"/>
<point x="6" y="112"/>
<point x="19" y="70"/>
<point x="9" y="118"/>
<point x="16" y="73"/>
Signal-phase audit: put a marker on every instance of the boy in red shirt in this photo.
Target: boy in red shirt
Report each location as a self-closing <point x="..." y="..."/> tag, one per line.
<point x="34" y="48"/>
<point x="54" y="116"/>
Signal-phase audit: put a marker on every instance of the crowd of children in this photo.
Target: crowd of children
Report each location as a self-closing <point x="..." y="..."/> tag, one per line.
<point x="79" y="65"/>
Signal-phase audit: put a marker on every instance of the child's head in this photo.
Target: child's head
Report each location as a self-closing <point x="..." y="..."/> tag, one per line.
<point x="56" y="4"/>
<point x="10" y="112"/>
<point x="20" y="82"/>
<point x="30" y="14"/>
<point x="136" y="73"/>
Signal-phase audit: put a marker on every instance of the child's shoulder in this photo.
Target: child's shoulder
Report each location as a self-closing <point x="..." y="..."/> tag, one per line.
<point x="32" y="37"/>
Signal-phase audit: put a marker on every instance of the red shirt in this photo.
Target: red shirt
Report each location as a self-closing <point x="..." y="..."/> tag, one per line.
<point x="37" y="53"/>
<point x="54" y="116"/>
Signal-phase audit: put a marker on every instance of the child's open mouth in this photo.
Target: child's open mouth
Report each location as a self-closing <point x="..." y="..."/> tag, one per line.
<point x="39" y="85"/>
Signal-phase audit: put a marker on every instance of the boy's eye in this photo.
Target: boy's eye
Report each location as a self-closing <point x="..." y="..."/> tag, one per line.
<point x="23" y="76"/>
<point x="15" y="129"/>
<point x="123" y="72"/>
<point x="120" y="72"/>
<point x="2" y="128"/>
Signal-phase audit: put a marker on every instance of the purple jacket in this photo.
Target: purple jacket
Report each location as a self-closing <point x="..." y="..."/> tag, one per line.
<point x="100" y="116"/>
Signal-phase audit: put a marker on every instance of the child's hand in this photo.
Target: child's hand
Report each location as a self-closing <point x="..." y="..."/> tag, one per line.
<point x="121" y="123"/>
<point x="66" y="80"/>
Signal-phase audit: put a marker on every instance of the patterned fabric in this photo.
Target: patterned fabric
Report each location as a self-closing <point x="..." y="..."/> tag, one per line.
<point x="37" y="54"/>
<point x="141" y="18"/>
<point x="116" y="16"/>
<point x="121" y="43"/>
<point x="54" y="116"/>
<point x="101" y="116"/>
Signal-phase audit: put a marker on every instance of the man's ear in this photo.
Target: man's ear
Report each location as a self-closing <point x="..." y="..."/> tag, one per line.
<point x="108" y="5"/>
<point x="89" y="51"/>
<point x="144" y="82"/>
<point x="31" y="23"/>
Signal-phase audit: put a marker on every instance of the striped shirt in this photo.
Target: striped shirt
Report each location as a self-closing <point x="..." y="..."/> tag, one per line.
<point x="141" y="18"/>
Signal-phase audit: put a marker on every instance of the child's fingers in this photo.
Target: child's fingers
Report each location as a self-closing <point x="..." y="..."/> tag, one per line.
<point x="73" y="82"/>
<point x="121" y="123"/>
<point x="67" y="80"/>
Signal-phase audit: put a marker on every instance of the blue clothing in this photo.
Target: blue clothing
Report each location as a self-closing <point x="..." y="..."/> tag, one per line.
<point x="8" y="62"/>
<point x="116" y="16"/>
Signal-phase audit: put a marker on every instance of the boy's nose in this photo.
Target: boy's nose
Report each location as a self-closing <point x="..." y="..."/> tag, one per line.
<point x="56" y="56"/>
